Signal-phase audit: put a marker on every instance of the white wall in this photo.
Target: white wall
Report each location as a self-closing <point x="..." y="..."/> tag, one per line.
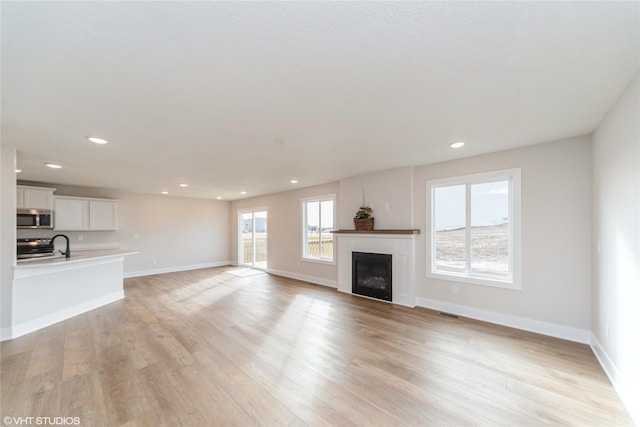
<point x="616" y="231"/>
<point x="556" y="226"/>
<point x="393" y="187"/>
<point x="7" y="235"/>
<point x="285" y="234"/>
<point x="174" y="233"/>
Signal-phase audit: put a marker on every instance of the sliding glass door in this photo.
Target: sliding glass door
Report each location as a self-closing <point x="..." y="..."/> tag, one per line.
<point x="252" y="242"/>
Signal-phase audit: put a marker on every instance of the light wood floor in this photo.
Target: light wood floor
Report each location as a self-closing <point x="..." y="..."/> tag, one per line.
<point x="204" y="348"/>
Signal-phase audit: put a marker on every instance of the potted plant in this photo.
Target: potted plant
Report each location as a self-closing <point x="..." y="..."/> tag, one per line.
<point x="363" y="220"/>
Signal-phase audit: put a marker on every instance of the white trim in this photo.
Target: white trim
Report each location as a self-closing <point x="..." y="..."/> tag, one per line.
<point x="239" y="239"/>
<point x="545" y="328"/>
<point x="321" y="260"/>
<point x="140" y="273"/>
<point x="627" y="390"/>
<point x="303" y="243"/>
<point x="461" y="278"/>
<point x="304" y="277"/>
<point x="67" y="313"/>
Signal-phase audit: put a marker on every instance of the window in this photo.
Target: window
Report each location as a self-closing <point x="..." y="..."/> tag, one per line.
<point x="475" y="228"/>
<point x="317" y="223"/>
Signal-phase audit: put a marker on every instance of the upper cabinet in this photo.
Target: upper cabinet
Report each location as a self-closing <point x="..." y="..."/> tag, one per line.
<point x="71" y="213"/>
<point x="81" y="213"/>
<point x="103" y="214"/>
<point x="28" y="197"/>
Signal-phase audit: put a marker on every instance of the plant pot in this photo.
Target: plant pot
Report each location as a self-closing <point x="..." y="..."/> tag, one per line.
<point x="365" y="224"/>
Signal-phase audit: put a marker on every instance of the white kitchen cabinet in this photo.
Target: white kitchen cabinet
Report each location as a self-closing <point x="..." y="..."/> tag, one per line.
<point x="103" y="215"/>
<point x="71" y="213"/>
<point x="28" y="197"/>
<point x="80" y="213"/>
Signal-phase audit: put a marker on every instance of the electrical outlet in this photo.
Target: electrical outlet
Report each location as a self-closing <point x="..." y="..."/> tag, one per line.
<point x="154" y="261"/>
<point x="80" y="237"/>
<point x="386" y="206"/>
<point x="454" y="289"/>
<point x="607" y="330"/>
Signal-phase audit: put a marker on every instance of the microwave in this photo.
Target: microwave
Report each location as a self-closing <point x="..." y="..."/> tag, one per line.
<point x="35" y="218"/>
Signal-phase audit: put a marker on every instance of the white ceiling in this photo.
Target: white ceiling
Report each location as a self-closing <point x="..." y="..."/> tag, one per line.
<point x="244" y="96"/>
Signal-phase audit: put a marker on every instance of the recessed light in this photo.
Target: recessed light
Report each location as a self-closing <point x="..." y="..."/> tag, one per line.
<point x="183" y="185"/>
<point x="243" y="192"/>
<point x="98" y="140"/>
<point x="18" y="170"/>
<point x="458" y="144"/>
<point x="53" y="166"/>
<point x="218" y="198"/>
<point x="164" y="192"/>
<point x="294" y="181"/>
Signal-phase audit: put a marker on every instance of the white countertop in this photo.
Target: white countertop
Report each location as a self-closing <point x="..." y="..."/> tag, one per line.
<point x="76" y="257"/>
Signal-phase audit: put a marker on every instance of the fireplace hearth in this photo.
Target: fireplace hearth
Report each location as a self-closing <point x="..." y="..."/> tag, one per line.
<point x="372" y="275"/>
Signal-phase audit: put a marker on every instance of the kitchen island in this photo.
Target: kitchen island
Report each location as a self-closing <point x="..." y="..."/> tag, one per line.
<point x="51" y="290"/>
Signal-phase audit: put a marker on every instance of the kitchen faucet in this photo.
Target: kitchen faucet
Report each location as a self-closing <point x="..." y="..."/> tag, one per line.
<point x="67" y="252"/>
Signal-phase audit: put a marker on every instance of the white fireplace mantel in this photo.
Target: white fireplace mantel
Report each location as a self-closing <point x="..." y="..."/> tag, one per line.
<point x="400" y="244"/>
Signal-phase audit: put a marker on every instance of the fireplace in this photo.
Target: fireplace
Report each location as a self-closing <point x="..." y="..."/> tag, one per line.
<point x="371" y="275"/>
<point x="400" y="244"/>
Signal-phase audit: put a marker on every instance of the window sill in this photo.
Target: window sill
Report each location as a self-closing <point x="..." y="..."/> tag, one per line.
<point x="504" y="284"/>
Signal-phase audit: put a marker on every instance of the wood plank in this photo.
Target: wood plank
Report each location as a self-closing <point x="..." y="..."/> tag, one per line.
<point x="203" y="347"/>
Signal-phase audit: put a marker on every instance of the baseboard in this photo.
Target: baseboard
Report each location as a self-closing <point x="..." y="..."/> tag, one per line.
<point x="627" y="390"/>
<point x="140" y="273"/>
<point x="304" y="277"/>
<point x="545" y="328"/>
<point x="59" y="316"/>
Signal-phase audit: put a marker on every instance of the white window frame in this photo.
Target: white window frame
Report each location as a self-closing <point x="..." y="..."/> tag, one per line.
<point x="514" y="178"/>
<point x="303" y="204"/>
<point x="239" y="234"/>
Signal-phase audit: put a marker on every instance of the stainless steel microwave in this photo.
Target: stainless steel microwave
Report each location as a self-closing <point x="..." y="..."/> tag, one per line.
<point x="35" y="218"/>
